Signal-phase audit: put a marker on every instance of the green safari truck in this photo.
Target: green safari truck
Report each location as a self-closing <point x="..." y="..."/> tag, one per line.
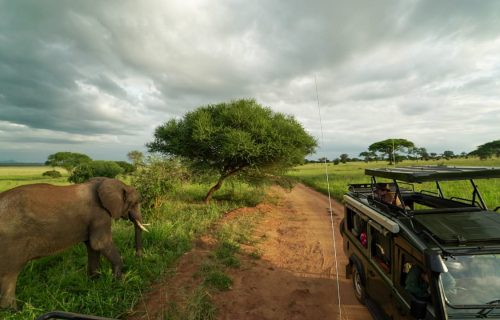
<point x="423" y="254"/>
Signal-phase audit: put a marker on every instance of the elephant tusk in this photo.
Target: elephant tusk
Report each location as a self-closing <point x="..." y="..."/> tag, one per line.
<point x="141" y="226"/>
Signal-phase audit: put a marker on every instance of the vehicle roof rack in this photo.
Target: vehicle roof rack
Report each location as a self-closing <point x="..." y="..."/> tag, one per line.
<point x="420" y="174"/>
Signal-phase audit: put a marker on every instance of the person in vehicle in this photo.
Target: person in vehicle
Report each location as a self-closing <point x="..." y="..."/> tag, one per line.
<point x="384" y="193"/>
<point x="363" y="239"/>
<point x="449" y="283"/>
<point x="417" y="283"/>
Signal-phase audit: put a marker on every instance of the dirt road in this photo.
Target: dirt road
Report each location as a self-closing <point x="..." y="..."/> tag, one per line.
<point x="296" y="275"/>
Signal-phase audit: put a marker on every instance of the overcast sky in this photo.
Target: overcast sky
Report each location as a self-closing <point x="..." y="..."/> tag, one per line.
<point x="98" y="77"/>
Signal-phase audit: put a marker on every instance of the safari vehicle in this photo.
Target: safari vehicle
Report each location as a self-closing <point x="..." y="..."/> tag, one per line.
<point x="423" y="254"/>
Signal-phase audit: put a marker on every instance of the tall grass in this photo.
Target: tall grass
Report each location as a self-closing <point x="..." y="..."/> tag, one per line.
<point x="341" y="175"/>
<point x="59" y="282"/>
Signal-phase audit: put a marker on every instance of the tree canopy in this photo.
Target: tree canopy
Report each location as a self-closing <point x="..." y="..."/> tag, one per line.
<point x="487" y="150"/>
<point x="136" y="157"/>
<point x="67" y="160"/>
<point x="368" y="155"/>
<point x="235" y="137"/>
<point x="97" y="168"/>
<point x="390" y="146"/>
<point x="344" y="157"/>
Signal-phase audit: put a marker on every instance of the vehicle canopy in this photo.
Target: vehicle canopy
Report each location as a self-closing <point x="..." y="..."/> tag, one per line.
<point x="420" y="174"/>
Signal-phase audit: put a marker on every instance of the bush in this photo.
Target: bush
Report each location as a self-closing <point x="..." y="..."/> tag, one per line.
<point x="158" y="177"/>
<point x="98" y="168"/>
<point x="128" y="168"/>
<point x="52" y="174"/>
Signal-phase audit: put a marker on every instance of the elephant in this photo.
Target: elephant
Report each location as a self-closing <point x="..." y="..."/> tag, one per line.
<point x="42" y="219"/>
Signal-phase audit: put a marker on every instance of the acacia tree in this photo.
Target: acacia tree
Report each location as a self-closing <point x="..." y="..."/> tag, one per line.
<point x="487" y="150"/>
<point x="422" y="153"/>
<point x="344" y="157"/>
<point x="235" y="138"/>
<point x="390" y="147"/>
<point x="136" y="157"/>
<point x="368" y="155"/>
<point x="448" y="154"/>
<point x="67" y="160"/>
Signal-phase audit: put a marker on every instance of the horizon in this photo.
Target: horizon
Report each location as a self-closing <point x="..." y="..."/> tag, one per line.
<point x="102" y="76"/>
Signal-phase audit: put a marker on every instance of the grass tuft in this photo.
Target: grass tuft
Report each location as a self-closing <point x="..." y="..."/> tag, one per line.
<point x="200" y="306"/>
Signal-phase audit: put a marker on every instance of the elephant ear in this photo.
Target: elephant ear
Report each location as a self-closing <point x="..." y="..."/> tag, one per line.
<point x="131" y="197"/>
<point x="111" y="193"/>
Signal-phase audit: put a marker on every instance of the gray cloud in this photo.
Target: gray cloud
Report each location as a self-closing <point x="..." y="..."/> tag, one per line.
<point x="99" y="76"/>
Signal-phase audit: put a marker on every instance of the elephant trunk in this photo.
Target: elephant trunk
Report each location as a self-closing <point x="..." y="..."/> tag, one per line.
<point x="139" y="227"/>
<point x="138" y="241"/>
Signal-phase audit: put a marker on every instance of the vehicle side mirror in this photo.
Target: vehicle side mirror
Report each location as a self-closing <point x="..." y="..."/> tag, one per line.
<point x="418" y="308"/>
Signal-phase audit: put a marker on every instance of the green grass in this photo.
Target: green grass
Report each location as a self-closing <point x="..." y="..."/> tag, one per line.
<point x="59" y="282"/>
<point x="13" y="176"/>
<point x="341" y="175"/>
<point x="200" y="306"/>
<point x="214" y="276"/>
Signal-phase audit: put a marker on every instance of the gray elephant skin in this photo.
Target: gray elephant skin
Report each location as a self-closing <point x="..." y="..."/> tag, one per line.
<point x="38" y="220"/>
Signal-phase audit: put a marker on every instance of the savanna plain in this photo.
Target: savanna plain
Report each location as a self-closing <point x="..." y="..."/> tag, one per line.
<point x="178" y="221"/>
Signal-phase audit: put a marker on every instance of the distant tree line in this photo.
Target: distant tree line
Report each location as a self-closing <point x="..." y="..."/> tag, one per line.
<point x="397" y="150"/>
<point x="81" y="167"/>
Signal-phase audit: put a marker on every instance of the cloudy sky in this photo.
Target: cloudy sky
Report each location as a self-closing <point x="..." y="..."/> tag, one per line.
<point x="98" y="76"/>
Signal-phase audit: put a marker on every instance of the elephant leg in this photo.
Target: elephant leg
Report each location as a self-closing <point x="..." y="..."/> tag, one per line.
<point x="100" y="240"/>
<point x="93" y="260"/>
<point x="8" y="291"/>
<point x="111" y="253"/>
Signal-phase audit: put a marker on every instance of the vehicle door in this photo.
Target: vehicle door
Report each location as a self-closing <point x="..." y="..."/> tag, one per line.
<point x="379" y="275"/>
<point x="411" y="284"/>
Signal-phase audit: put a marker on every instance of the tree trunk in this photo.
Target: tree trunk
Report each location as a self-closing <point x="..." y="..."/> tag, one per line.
<point x="218" y="185"/>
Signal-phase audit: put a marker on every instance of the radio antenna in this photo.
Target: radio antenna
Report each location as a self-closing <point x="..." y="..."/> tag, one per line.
<point x="329" y="202"/>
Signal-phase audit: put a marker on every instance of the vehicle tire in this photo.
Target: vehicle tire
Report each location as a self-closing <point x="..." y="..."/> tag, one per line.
<point x="357" y="283"/>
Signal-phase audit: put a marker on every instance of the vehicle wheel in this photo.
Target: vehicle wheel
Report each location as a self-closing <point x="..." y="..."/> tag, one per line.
<point x="357" y="283"/>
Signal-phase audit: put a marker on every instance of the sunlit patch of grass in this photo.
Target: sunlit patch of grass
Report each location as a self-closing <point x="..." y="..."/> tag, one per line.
<point x="13" y="176"/>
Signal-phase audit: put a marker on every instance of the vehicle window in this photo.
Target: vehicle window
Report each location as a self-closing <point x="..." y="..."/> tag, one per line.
<point x="381" y="249"/>
<point x="413" y="278"/>
<point x="358" y="228"/>
<point x="472" y="279"/>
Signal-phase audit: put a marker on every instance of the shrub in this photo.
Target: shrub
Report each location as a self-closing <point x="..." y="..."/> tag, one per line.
<point x="158" y="177"/>
<point x="98" y="168"/>
<point x="128" y="168"/>
<point x="52" y="174"/>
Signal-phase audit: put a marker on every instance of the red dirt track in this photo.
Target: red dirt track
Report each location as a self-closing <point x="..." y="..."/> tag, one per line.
<point x="295" y="278"/>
